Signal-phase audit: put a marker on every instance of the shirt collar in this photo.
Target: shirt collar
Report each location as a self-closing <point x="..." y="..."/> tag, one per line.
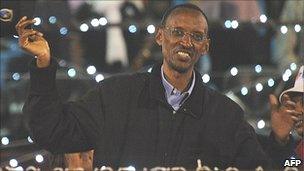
<point x="170" y="89"/>
<point x="193" y="106"/>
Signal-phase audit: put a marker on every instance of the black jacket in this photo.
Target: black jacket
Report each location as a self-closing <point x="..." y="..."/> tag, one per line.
<point x="278" y="153"/>
<point x="127" y="121"/>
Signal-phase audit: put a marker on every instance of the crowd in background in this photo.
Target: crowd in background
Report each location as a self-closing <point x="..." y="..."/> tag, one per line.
<point x="117" y="47"/>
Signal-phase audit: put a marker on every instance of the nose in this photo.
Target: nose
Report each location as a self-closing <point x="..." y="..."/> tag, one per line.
<point x="186" y="40"/>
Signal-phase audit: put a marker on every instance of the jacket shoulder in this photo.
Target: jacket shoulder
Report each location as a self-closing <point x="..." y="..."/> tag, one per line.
<point x="224" y="103"/>
<point x="123" y="83"/>
<point x="124" y="79"/>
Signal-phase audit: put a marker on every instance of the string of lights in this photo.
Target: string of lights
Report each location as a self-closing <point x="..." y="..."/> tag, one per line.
<point x="102" y="23"/>
<point x="90" y="72"/>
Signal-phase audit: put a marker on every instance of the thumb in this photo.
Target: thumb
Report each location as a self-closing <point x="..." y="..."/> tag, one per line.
<point x="285" y="98"/>
<point x="274" y="103"/>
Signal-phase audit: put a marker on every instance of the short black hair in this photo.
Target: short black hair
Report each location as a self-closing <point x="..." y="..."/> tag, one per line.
<point x="186" y="5"/>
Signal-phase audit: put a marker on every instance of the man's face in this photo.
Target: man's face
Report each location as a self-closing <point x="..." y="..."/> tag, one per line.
<point x="298" y="99"/>
<point x="183" y="39"/>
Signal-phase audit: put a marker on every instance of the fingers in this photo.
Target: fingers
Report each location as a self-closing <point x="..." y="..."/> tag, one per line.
<point x="294" y="113"/>
<point x="286" y="100"/>
<point x="273" y="102"/>
<point x="22" y="19"/>
<point x="289" y="105"/>
<point x="23" y="22"/>
<point x="297" y="117"/>
<point x="22" y="25"/>
<point x="300" y="128"/>
<point x="300" y="124"/>
<point x="285" y="97"/>
<point x="29" y="35"/>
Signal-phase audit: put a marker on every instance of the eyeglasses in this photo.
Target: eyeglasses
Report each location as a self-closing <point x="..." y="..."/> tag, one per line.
<point x="180" y="33"/>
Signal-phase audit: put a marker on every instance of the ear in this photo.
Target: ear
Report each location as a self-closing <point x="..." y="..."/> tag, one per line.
<point x="159" y="36"/>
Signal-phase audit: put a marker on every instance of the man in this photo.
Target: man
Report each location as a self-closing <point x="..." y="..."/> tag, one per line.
<point x="292" y="99"/>
<point x="284" y="118"/>
<point x="163" y="118"/>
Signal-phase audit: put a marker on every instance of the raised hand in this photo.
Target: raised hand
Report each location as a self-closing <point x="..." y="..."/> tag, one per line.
<point x="283" y="118"/>
<point x="32" y="42"/>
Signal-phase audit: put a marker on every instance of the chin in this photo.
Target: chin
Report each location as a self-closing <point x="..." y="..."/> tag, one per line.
<point x="180" y="69"/>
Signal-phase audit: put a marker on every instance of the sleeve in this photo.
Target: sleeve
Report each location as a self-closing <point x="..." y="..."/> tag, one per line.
<point x="56" y="126"/>
<point x="277" y="152"/>
<point x="249" y="151"/>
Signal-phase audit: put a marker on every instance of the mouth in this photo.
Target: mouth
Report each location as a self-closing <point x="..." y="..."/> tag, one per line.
<point x="184" y="55"/>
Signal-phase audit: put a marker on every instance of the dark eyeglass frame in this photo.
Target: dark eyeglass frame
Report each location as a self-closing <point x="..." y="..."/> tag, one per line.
<point x="180" y="33"/>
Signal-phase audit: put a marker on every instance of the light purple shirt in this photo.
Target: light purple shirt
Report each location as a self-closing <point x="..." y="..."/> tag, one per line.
<point x="175" y="97"/>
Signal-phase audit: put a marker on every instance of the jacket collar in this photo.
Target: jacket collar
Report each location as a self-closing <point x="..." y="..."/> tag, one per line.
<point x="193" y="105"/>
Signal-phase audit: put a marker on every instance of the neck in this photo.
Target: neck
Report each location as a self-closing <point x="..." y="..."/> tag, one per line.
<point x="179" y="80"/>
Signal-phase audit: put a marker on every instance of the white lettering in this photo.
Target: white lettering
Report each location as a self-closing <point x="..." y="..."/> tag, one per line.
<point x="32" y="168"/>
<point x="292" y="162"/>
<point x="286" y="163"/>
